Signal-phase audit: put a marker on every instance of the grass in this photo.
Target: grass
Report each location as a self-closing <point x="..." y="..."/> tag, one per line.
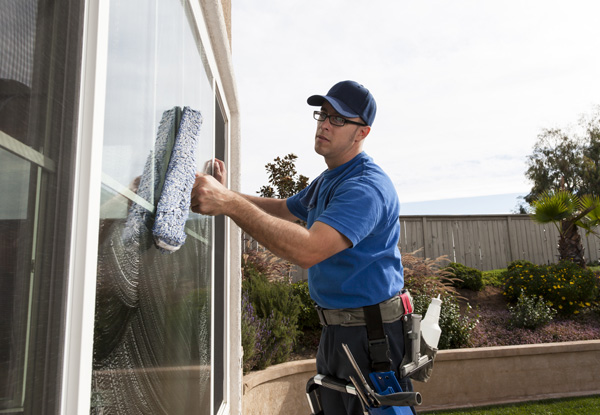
<point x="586" y="405"/>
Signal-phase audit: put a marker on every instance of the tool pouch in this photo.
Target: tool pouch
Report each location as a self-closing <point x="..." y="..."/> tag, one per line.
<point x="418" y="355"/>
<point x="423" y="373"/>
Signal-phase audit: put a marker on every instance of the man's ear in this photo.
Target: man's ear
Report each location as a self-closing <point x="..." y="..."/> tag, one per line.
<point x="363" y="132"/>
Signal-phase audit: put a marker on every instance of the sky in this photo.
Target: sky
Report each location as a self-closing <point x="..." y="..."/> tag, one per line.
<point x="463" y="88"/>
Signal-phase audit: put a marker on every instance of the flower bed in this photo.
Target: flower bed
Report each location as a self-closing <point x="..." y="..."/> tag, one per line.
<point x="491" y="309"/>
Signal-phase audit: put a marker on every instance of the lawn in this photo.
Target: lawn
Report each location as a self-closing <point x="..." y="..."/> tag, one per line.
<point x="574" y="406"/>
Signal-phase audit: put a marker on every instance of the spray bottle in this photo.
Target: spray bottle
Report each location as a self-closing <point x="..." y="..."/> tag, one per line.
<point x="430" y="328"/>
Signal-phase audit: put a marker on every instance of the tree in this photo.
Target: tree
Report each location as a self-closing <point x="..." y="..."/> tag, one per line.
<point x="284" y="181"/>
<point x="568" y="212"/>
<point x="565" y="160"/>
<point x="591" y="154"/>
<point x="555" y="163"/>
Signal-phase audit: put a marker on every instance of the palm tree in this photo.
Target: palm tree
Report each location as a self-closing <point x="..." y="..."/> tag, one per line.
<point x="568" y="212"/>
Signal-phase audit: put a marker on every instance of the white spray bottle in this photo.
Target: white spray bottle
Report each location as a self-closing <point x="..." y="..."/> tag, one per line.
<point x="430" y="327"/>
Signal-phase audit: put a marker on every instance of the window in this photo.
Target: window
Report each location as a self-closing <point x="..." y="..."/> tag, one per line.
<point x="157" y="315"/>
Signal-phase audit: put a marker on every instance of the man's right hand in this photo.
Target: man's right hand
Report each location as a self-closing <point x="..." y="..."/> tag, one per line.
<point x="209" y="196"/>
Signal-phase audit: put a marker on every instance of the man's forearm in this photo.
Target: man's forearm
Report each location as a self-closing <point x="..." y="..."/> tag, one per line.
<point x="270" y="222"/>
<point x="280" y="236"/>
<point x="275" y="207"/>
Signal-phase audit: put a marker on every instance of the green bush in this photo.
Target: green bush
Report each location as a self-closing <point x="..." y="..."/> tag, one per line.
<point x="308" y="318"/>
<point x="466" y="277"/>
<point x="272" y="321"/>
<point x="494" y="278"/>
<point x="252" y="328"/>
<point x="456" y="328"/>
<point x="520" y="263"/>
<point x="565" y="286"/>
<point x="530" y="312"/>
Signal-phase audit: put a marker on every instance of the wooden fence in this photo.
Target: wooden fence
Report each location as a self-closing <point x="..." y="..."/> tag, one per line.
<point x="486" y="242"/>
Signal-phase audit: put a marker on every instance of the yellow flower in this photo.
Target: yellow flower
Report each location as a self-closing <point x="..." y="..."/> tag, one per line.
<point x="587" y="304"/>
<point x="572" y="283"/>
<point x="564" y="298"/>
<point x="560" y="306"/>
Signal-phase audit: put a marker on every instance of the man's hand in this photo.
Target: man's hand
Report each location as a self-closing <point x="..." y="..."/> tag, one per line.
<point x="209" y="197"/>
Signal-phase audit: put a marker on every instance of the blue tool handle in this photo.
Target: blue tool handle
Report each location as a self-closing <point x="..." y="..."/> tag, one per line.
<point x="389" y="391"/>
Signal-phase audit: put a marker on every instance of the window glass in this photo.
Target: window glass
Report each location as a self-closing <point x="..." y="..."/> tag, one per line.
<point x="152" y="333"/>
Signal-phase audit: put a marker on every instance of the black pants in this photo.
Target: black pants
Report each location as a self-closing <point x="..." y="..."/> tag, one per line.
<point x="332" y="360"/>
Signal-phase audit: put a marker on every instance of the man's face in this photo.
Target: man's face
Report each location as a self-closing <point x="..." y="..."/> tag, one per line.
<point x="338" y="145"/>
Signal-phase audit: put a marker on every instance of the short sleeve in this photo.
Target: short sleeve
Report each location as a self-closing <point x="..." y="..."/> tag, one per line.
<point x="355" y="210"/>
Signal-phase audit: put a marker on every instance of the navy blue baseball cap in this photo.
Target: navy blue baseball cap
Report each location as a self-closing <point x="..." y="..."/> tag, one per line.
<point x="350" y="99"/>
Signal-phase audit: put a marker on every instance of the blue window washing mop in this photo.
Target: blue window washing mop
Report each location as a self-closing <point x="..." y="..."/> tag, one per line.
<point x="173" y="207"/>
<point x="166" y="183"/>
<point x="139" y="218"/>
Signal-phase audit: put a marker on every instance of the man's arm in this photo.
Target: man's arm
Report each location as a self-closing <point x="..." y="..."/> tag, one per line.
<point x="267" y="221"/>
<point x="275" y="207"/>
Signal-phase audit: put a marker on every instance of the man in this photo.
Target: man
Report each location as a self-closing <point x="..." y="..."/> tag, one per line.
<point x="349" y="244"/>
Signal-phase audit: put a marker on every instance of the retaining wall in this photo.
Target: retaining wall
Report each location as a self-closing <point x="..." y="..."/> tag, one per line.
<point x="461" y="378"/>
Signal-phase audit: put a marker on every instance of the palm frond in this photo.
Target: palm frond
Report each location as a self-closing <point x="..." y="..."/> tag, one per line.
<point x="554" y="206"/>
<point x="590" y="213"/>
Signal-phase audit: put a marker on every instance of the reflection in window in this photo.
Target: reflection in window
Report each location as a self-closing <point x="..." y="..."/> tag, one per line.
<point x="39" y="67"/>
<point x="152" y="331"/>
<point x="15" y="274"/>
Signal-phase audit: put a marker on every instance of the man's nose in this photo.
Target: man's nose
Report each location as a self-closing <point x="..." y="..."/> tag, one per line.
<point x="326" y="122"/>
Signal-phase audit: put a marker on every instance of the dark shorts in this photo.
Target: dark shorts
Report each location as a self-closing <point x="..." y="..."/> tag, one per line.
<point x="332" y="360"/>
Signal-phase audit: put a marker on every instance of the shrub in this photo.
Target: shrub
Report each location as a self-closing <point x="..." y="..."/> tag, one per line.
<point x="565" y="286"/>
<point x="264" y="262"/>
<point x="494" y="278"/>
<point x="276" y="309"/>
<point x="456" y="328"/>
<point x="520" y="263"/>
<point x="427" y="276"/>
<point x="530" y="313"/>
<point x="425" y="279"/>
<point x="466" y="277"/>
<point x="308" y="318"/>
<point x="253" y="335"/>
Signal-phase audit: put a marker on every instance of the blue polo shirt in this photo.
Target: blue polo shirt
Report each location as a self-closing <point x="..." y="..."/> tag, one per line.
<point x="358" y="200"/>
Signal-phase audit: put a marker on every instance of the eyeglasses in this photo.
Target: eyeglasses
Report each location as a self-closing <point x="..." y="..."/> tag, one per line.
<point x="336" y="120"/>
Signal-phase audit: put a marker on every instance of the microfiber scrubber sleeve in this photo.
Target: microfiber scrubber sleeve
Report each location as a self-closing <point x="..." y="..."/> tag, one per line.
<point x="173" y="206"/>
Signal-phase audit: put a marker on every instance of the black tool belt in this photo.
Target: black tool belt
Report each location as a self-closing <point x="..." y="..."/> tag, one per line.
<point x="391" y="310"/>
<point x="372" y="317"/>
